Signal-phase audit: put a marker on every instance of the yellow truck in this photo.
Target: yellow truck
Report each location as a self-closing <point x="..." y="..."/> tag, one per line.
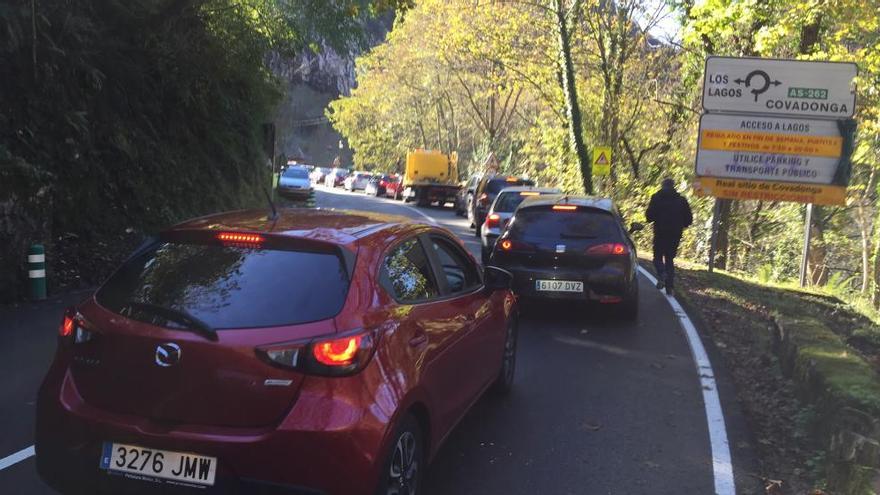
<point x="430" y="176"/>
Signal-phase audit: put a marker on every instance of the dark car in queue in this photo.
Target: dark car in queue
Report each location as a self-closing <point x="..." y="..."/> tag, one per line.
<point x="572" y="248"/>
<point x="485" y="192"/>
<point x="313" y="352"/>
<point x="501" y="212"/>
<point x="464" y="200"/>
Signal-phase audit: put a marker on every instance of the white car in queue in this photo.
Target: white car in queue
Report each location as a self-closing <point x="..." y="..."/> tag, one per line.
<point x="502" y="210"/>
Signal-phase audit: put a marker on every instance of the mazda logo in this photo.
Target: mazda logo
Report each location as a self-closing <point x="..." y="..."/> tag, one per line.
<point x="167" y="354"/>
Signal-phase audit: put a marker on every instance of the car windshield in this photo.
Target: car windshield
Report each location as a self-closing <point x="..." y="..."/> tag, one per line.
<point x="496" y="185"/>
<point x="546" y="223"/>
<point x="229" y="286"/>
<point x="296" y="173"/>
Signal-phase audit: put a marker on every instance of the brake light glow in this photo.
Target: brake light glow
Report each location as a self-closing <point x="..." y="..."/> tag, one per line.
<point x="611" y="248"/>
<point x="493" y="221"/>
<point x="564" y="208"/>
<point x="338" y="356"/>
<point x="67" y="325"/>
<point x="239" y="237"/>
<point x="512" y="179"/>
<point x="529" y="193"/>
<point x="339" y="352"/>
<point x="508" y="245"/>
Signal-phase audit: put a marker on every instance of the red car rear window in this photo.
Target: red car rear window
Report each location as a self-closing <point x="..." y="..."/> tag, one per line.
<point x="231" y="286"/>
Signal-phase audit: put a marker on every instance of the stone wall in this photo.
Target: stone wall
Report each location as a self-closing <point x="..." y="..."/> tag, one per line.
<point x="845" y="391"/>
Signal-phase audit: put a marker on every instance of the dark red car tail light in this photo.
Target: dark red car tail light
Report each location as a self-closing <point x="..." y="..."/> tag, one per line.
<point x="609" y="249"/>
<point x="74" y="329"/>
<point x="493" y="221"/>
<point x="67" y="324"/>
<point x="337" y="356"/>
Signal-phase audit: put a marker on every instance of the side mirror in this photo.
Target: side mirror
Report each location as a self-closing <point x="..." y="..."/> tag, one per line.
<point x="635" y="227"/>
<point x="496" y="278"/>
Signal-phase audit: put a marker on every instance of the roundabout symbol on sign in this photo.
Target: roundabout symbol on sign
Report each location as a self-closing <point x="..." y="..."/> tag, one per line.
<point x="747" y="82"/>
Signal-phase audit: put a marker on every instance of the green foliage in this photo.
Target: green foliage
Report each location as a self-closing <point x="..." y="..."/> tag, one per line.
<point x="147" y="111"/>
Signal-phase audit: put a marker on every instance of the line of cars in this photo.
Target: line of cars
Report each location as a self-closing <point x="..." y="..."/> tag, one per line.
<point x="198" y="367"/>
<point x="556" y="246"/>
<point x="386" y="185"/>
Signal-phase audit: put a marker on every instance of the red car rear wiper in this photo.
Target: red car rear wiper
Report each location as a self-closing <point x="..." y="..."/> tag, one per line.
<point x="176" y="315"/>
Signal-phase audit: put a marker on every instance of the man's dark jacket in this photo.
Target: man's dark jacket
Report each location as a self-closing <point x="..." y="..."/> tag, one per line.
<point x="670" y="213"/>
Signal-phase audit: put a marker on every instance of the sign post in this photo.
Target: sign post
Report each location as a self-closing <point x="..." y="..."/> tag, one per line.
<point x="776" y="130"/>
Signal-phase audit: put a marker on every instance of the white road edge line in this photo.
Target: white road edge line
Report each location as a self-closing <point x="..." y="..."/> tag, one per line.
<point x="16" y="457"/>
<point x="722" y="465"/>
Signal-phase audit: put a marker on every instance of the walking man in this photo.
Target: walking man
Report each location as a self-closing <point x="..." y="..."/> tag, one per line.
<point x="670" y="214"/>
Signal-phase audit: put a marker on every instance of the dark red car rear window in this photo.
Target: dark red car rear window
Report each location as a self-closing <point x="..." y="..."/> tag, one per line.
<point x="231" y="286"/>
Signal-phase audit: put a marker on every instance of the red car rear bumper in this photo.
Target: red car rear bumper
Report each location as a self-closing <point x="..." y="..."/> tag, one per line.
<point x="325" y="445"/>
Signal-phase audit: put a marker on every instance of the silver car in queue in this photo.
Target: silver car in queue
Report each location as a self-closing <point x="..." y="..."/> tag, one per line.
<point x="501" y="211"/>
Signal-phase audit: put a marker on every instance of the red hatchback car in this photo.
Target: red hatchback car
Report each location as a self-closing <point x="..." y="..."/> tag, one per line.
<point x="318" y="352"/>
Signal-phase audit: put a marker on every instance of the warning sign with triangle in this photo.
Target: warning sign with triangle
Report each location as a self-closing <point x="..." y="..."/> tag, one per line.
<point x="602" y="160"/>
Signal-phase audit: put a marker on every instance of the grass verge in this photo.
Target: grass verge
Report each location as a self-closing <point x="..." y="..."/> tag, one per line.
<point x="811" y="398"/>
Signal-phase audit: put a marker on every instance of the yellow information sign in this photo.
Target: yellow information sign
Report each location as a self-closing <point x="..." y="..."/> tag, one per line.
<point x="601" y="160"/>
<point x="819" y="194"/>
<point x="765" y="142"/>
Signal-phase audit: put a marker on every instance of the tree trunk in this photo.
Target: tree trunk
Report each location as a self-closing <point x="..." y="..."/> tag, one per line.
<point x="875" y="296"/>
<point x="817" y="271"/>
<point x="569" y="90"/>
<point x="753" y="234"/>
<point x="722" y="239"/>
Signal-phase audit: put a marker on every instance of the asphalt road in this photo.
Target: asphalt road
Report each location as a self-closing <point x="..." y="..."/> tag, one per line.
<point x="600" y="406"/>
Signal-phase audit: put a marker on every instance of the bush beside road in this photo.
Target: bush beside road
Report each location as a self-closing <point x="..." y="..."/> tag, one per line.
<point x="811" y="396"/>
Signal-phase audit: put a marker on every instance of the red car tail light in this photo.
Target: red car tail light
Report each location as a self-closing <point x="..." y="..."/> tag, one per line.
<point x="565" y="208"/>
<point x="611" y="248"/>
<point x="338" y="352"/>
<point x="493" y="221"/>
<point x="337" y="356"/>
<point x="74" y="328"/>
<point x="67" y="323"/>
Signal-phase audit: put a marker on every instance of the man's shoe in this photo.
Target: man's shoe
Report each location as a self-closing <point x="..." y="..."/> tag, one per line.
<point x="660" y="285"/>
<point x="669" y="291"/>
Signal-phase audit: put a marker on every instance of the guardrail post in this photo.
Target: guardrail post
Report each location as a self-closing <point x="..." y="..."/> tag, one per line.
<point x="37" y="272"/>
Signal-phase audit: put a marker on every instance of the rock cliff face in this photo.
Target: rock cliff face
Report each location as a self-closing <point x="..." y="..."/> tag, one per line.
<point x="314" y="79"/>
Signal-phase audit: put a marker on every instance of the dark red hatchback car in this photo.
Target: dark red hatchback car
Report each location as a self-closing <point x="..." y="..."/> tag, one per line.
<point x="315" y="352"/>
